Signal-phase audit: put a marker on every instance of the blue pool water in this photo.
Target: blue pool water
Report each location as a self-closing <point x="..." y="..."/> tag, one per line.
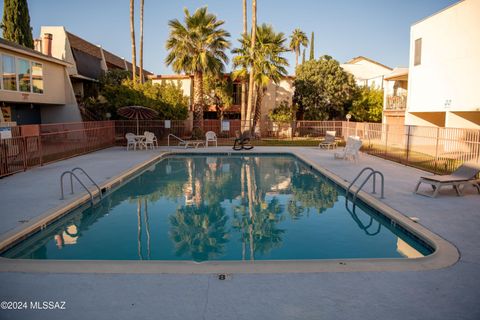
<point x="214" y="207"/>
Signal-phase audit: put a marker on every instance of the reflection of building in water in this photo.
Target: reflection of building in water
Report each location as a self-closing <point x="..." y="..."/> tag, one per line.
<point x="212" y="163"/>
<point x="68" y="237"/>
<point x="282" y="185"/>
<point x="406" y="250"/>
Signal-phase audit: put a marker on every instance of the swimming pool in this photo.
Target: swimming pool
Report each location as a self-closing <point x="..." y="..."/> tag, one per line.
<point x="235" y="207"/>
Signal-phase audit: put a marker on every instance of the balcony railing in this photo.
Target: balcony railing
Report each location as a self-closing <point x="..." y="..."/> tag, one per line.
<point x="396" y="103"/>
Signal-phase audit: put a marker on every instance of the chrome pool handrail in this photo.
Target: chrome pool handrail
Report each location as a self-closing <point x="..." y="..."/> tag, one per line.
<point x="373" y="173"/>
<point x="88" y="176"/>
<point x="71" y="184"/>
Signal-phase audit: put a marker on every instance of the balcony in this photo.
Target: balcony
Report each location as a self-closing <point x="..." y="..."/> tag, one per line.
<point x="396" y="103"/>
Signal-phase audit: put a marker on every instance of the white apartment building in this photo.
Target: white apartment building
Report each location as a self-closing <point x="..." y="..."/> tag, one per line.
<point x="367" y="72"/>
<point x="443" y="85"/>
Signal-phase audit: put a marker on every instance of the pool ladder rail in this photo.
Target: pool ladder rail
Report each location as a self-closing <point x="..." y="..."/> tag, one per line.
<point x="181" y="141"/>
<point x="73" y="175"/>
<point x="373" y="173"/>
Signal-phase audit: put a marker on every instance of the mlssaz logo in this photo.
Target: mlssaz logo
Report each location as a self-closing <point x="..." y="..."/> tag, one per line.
<point x="47" y="305"/>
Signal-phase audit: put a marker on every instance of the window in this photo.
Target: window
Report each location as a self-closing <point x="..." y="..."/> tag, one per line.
<point x="18" y="74"/>
<point x="237" y="94"/>
<point x="418" y="52"/>
<point x="37" y="77"/>
<point x="9" y="73"/>
<point x="23" y="68"/>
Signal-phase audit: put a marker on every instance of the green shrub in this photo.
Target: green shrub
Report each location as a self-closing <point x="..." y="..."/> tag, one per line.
<point x="367" y="105"/>
<point x="284" y="112"/>
<point x="116" y="91"/>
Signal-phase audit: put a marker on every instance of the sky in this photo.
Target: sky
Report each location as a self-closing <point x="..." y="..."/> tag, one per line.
<point x="377" y="29"/>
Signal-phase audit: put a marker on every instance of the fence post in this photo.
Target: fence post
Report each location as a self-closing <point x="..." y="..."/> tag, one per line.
<point x="408" y="144"/>
<point x="386" y="139"/>
<point x="436" y="151"/>
<point x="40" y="148"/>
<point x="24" y="151"/>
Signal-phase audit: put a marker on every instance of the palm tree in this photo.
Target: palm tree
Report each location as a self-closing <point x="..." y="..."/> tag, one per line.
<point x="251" y="79"/>
<point x="269" y="64"/>
<point x="197" y="46"/>
<point x="141" y="41"/>
<point x="243" y="100"/>
<point x="132" y="38"/>
<point x="298" y="39"/>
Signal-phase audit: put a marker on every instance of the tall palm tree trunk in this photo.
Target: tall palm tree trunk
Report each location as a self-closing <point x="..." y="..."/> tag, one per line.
<point x="132" y="38"/>
<point x="141" y="76"/>
<point x="296" y="56"/>
<point x="258" y="105"/>
<point x="198" y="100"/>
<point x="243" y="99"/>
<point x="248" y="117"/>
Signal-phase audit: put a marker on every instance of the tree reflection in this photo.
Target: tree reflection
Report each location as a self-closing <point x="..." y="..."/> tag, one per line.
<point x="310" y="191"/>
<point x="199" y="231"/>
<point x="255" y="219"/>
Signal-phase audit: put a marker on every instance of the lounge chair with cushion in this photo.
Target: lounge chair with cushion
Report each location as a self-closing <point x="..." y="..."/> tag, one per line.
<point x="350" y="152"/>
<point x="329" y="141"/>
<point x="465" y="174"/>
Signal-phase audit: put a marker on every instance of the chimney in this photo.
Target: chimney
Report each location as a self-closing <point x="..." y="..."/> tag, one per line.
<point x="37" y="45"/>
<point x="47" y="44"/>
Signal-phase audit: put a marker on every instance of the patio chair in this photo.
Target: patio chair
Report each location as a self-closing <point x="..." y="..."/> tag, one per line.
<point x="154" y="138"/>
<point x="329" y="141"/>
<point x="242" y="141"/>
<point x="131" y="141"/>
<point x="149" y="140"/>
<point x="212" y="137"/>
<point x="465" y="174"/>
<point x="350" y="152"/>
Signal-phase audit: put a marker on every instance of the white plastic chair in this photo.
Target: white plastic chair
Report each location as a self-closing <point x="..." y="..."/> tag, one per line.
<point x="150" y="140"/>
<point x="131" y="141"/>
<point x="154" y="140"/>
<point x="210" y="136"/>
<point x="351" y="149"/>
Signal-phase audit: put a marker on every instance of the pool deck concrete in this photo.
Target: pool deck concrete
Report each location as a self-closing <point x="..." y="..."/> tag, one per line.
<point x="448" y="293"/>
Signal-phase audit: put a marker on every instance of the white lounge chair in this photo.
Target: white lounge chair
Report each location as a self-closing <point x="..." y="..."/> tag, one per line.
<point x="465" y="174"/>
<point x="131" y="141"/>
<point x="350" y="152"/>
<point x="212" y="137"/>
<point x="329" y="141"/>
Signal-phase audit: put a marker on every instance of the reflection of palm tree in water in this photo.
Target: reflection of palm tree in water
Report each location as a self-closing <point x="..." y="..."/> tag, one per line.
<point x="310" y="191"/>
<point x="257" y="220"/>
<point x="139" y="228"/>
<point x="199" y="231"/>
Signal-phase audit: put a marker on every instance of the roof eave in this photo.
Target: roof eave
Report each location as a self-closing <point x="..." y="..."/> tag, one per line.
<point x="39" y="55"/>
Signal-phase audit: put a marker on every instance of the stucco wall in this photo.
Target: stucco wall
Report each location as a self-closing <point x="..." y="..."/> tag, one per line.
<point x="60" y="46"/>
<point x="366" y="73"/>
<point x="447" y="77"/>
<point x="67" y="112"/>
<point x="275" y="94"/>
